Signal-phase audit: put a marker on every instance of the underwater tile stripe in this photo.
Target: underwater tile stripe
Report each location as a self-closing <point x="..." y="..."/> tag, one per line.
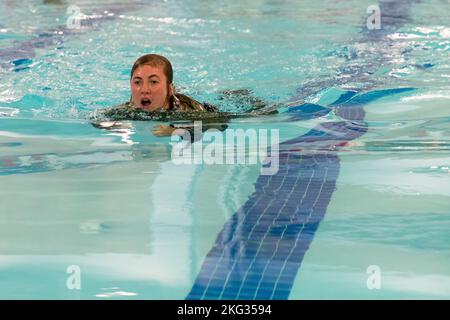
<point x="259" y="250"/>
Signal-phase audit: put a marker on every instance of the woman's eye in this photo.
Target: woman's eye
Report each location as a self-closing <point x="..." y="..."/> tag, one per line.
<point x="137" y="83"/>
<point x="154" y="82"/>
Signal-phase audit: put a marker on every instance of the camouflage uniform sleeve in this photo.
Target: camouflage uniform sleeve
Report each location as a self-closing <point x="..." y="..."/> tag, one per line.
<point x="189" y="104"/>
<point x="109" y="113"/>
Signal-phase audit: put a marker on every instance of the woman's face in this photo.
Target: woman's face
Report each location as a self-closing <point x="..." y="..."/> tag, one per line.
<point x="149" y="88"/>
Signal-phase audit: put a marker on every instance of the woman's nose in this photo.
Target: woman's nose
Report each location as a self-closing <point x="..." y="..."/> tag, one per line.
<point x="145" y="88"/>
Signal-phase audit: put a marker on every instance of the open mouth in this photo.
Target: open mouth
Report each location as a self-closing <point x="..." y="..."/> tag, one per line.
<point x="145" y="102"/>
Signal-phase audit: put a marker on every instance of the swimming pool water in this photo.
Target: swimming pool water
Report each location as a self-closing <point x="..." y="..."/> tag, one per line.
<point x="138" y="226"/>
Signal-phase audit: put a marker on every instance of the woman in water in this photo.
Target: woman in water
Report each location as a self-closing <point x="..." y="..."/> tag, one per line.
<point x="153" y="97"/>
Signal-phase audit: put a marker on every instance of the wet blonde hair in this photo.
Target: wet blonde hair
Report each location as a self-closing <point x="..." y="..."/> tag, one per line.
<point x="155" y="60"/>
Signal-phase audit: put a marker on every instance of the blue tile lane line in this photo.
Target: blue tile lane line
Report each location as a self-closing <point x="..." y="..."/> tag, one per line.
<point x="258" y="253"/>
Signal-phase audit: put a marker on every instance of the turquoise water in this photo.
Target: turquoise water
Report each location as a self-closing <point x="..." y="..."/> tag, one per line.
<point x="139" y="226"/>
